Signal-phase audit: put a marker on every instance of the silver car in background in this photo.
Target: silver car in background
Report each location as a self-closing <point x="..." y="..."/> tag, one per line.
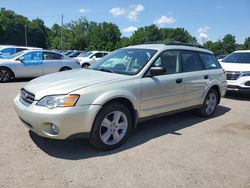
<point x="34" y="63"/>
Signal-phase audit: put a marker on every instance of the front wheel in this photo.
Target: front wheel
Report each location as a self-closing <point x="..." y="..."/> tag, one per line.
<point x="210" y="104"/>
<point x="5" y="75"/>
<point x="111" y="127"/>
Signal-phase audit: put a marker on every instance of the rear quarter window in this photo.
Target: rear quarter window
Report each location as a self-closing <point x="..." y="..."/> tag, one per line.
<point x="209" y="61"/>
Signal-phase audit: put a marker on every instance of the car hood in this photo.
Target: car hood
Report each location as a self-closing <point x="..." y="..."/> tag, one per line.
<point x="68" y="81"/>
<point x="235" y="66"/>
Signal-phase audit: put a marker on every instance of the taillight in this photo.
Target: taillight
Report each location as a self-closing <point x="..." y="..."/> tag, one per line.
<point x="77" y="61"/>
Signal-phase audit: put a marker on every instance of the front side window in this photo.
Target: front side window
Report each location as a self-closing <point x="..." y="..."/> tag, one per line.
<point x="124" y="61"/>
<point x="98" y="55"/>
<point x="231" y="58"/>
<point x="32" y="58"/>
<point x="191" y="61"/>
<point x="170" y="60"/>
<point x="209" y="61"/>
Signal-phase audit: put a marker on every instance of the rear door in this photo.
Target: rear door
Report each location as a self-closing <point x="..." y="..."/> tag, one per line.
<point x="195" y="78"/>
<point x="52" y="62"/>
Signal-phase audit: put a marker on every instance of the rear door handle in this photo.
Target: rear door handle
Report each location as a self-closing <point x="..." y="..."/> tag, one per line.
<point x="179" y="80"/>
<point x="206" y="77"/>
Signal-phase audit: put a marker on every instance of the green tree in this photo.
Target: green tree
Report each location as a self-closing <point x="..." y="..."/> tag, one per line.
<point x="229" y="43"/>
<point x="246" y="44"/>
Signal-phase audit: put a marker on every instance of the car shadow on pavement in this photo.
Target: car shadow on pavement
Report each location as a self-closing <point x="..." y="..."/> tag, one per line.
<point x="238" y="96"/>
<point x="146" y="131"/>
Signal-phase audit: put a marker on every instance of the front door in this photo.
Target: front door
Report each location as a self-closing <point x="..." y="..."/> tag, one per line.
<point x="29" y="65"/>
<point x="163" y="93"/>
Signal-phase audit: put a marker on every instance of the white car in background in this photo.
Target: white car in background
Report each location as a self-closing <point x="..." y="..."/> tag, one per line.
<point x="237" y="67"/>
<point x="90" y="57"/>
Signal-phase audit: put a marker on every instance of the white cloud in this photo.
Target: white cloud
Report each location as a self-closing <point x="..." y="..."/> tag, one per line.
<point x="131" y="13"/>
<point x="83" y="10"/>
<point x="202" y="32"/>
<point x="164" y="20"/>
<point x="117" y="11"/>
<point x="130" y="29"/>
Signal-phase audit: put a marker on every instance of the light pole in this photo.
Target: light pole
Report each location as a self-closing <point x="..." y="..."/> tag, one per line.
<point x="25" y="35"/>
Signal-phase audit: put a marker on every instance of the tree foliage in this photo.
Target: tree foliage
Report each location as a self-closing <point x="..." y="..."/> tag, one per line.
<point x="82" y="34"/>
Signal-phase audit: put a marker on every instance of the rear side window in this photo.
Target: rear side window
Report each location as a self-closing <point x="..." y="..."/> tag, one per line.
<point x="209" y="61"/>
<point x="51" y="56"/>
<point x="191" y="61"/>
<point x="20" y="49"/>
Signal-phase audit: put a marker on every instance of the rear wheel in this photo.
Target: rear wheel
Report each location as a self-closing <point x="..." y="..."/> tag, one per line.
<point x="210" y="104"/>
<point x="111" y="127"/>
<point x="5" y="75"/>
<point x="65" y="69"/>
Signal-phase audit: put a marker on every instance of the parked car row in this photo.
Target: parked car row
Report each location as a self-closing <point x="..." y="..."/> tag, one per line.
<point x="34" y="63"/>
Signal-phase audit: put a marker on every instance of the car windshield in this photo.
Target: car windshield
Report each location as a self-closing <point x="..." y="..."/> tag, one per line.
<point x="86" y="54"/>
<point x="124" y="61"/>
<point x="237" y="58"/>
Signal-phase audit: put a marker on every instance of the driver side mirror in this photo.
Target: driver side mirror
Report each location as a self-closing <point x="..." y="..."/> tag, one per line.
<point x="21" y="59"/>
<point x="156" y="71"/>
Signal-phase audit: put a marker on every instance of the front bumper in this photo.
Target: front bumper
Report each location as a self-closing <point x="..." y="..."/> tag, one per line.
<point x="69" y="120"/>
<point x="242" y="84"/>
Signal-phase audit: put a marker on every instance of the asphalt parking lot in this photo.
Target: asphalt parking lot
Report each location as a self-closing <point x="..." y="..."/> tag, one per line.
<point x="181" y="150"/>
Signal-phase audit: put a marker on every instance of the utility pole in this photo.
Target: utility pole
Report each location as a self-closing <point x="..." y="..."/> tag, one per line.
<point x="62" y="32"/>
<point x="25" y="35"/>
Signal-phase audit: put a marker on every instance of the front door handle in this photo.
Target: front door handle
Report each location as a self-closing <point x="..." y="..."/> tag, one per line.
<point x="206" y="77"/>
<point x="179" y="80"/>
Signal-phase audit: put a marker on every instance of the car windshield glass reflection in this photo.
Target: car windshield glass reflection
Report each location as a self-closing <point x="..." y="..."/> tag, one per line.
<point x="124" y="61"/>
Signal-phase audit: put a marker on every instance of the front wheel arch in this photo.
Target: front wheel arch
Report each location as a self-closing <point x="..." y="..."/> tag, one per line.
<point x="7" y="68"/>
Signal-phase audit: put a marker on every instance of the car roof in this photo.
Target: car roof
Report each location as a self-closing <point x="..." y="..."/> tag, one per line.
<point x="162" y="47"/>
<point x="242" y="51"/>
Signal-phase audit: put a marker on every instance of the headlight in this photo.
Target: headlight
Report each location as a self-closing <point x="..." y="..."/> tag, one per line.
<point x="58" y="101"/>
<point x="245" y="73"/>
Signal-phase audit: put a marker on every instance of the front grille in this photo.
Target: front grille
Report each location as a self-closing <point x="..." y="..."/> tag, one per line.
<point x="233" y="75"/>
<point x="26" y="97"/>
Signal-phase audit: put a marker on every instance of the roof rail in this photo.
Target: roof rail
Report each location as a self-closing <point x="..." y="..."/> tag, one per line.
<point x="185" y="44"/>
<point x="153" y="42"/>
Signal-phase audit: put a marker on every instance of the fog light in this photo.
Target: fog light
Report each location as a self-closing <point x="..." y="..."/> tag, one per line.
<point x="55" y="129"/>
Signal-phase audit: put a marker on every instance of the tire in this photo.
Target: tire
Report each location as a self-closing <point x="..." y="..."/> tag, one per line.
<point x="210" y="104"/>
<point x="85" y="65"/>
<point x="109" y="132"/>
<point x="5" y="75"/>
<point x="65" y="69"/>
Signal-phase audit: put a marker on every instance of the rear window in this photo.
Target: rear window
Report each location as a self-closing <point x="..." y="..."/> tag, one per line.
<point x="209" y="61"/>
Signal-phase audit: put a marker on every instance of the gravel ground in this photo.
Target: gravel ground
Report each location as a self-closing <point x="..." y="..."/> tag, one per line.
<point x="181" y="150"/>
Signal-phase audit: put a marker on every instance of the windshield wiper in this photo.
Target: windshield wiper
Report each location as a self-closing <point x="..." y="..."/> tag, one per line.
<point x="104" y="70"/>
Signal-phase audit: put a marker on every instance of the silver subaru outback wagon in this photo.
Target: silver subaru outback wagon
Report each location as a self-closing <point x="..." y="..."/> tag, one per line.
<point x="105" y="102"/>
